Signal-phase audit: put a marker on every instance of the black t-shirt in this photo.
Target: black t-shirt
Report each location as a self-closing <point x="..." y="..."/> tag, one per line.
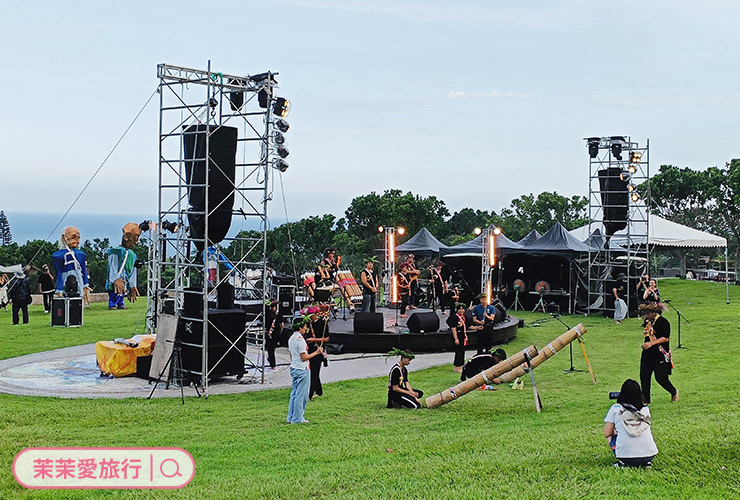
<point x="454" y="322"/>
<point x="269" y="317"/>
<point x="370" y="279"/>
<point x="46" y="282"/>
<point x="477" y="364"/>
<point x="661" y="328"/>
<point x="398" y="376"/>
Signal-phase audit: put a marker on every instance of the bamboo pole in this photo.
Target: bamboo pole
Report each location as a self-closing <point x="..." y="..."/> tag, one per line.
<point x="546" y="352"/>
<point x="485" y="377"/>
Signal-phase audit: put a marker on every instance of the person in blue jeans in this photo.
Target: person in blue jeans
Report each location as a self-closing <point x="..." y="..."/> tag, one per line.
<point x="299" y="371"/>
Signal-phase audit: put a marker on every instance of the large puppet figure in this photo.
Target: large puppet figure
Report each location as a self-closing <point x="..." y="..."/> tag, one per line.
<point x="71" y="266"/>
<point x="121" y="269"/>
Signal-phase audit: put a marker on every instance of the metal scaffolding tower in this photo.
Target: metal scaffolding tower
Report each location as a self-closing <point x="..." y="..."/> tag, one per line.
<point x="619" y="212"/>
<point x="220" y="141"/>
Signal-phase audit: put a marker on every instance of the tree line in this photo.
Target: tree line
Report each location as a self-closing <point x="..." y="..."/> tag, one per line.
<point x="356" y="235"/>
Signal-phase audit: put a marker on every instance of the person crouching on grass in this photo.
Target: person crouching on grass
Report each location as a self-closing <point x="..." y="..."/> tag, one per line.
<point x="299" y="372"/>
<point x="400" y="392"/>
<point x="627" y="428"/>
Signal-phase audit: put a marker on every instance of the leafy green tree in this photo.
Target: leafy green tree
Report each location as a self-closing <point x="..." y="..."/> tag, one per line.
<point x="459" y="228"/>
<point x="97" y="263"/>
<point x="679" y="194"/>
<point x="529" y="212"/>
<point x="393" y="208"/>
<point x="6" y="238"/>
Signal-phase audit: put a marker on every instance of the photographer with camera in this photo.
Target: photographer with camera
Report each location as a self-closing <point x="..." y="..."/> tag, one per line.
<point x="627" y="428"/>
<point x="651" y="294"/>
<point x="642" y="285"/>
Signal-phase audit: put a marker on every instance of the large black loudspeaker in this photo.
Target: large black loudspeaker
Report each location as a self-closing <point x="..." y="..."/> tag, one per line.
<point x="368" y="322"/>
<point x="500" y="310"/>
<point x="423" y="322"/>
<point x="221" y="176"/>
<point x="614" y="198"/>
<point x="228" y="323"/>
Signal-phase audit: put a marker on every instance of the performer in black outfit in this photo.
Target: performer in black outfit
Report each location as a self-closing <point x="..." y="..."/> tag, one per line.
<point x="481" y="362"/>
<point x="274" y="323"/>
<point x="440" y="288"/>
<point x="400" y="392"/>
<point x="369" y="288"/>
<point x="413" y="275"/>
<point x="403" y="283"/>
<point x="456" y="322"/>
<point x="317" y="335"/>
<point x="656" y="357"/>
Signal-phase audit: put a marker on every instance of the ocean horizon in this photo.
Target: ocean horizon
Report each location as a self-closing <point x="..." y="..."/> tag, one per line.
<point x="27" y="226"/>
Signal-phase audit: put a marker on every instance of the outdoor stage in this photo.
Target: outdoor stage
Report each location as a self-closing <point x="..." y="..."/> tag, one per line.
<point x="396" y="333"/>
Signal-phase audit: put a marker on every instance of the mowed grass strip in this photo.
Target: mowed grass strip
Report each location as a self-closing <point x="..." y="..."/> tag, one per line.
<point x="488" y="444"/>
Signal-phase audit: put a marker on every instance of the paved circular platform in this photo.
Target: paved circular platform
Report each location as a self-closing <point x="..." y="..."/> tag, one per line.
<point x="72" y="373"/>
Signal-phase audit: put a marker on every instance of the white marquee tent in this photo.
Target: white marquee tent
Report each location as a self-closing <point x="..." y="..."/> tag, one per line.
<point x="663" y="233"/>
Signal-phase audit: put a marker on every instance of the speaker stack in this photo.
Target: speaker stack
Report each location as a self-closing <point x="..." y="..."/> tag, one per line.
<point x="224" y="324"/>
<point x="423" y="322"/>
<point x="368" y="322"/>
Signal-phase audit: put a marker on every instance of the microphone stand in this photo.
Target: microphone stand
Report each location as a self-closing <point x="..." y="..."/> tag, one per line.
<point x="679" y="346"/>
<point x="570" y="346"/>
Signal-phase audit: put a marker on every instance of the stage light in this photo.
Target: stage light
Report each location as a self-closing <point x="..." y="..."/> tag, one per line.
<point x="401" y="230"/>
<point x="282" y="125"/>
<point x="144" y="226"/>
<point x="170" y="226"/>
<point x="281" y="165"/>
<point x="593" y="146"/>
<point x="631" y="187"/>
<point x="617" y="151"/>
<point x="632" y="168"/>
<point x="624" y="176"/>
<point x="634" y="196"/>
<point x="635" y="156"/>
<point x="279" y="138"/>
<point x="281" y="107"/>
<point x="282" y="151"/>
<point x="496" y="231"/>
<point x="477" y="231"/>
<point x="380" y="229"/>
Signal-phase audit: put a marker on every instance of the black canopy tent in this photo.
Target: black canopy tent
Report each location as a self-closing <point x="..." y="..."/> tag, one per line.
<point x="531" y="237"/>
<point x="422" y="244"/>
<point x="464" y="261"/>
<point x="553" y="259"/>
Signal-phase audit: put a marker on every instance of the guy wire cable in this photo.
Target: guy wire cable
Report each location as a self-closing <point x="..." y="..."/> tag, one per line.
<point x="96" y="172"/>
<point x="287" y="223"/>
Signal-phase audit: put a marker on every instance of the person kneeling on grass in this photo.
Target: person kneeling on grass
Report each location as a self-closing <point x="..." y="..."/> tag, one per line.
<point x="400" y="392"/>
<point x="627" y="428"/>
<point x="482" y="362"/>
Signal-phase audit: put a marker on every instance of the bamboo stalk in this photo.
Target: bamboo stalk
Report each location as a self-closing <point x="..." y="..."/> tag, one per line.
<point x="546" y="352"/>
<point x="480" y="379"/>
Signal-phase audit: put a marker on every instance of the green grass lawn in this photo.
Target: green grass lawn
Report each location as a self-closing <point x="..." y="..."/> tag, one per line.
<point x="488" y="444"/>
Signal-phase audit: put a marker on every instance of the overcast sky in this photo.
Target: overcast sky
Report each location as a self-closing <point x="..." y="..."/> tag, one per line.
<point x="475" y="102"/>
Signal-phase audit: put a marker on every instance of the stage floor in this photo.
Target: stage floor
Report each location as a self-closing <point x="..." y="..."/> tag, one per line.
<point x="396" y="333"/>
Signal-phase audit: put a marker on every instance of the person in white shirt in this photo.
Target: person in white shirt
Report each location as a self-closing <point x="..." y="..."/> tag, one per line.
<point x="299" y="371"/>
<point x="627" y="428"/>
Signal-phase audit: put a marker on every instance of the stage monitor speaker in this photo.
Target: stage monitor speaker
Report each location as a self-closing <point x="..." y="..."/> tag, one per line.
<point x="500" y="310"/>
<point x="221" y="178"/>
<point x="368" y="322"/>
<point x="224" y="324"/>
<point x="423" y="322"/>
<point x="225" y="296"/>
<point x="614" y="198"/>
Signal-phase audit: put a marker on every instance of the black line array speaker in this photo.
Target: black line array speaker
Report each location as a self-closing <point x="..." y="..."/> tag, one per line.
<point x="221" y="176"/>
<point x="423" y="322"/>
<point x="614" y="198"/>
<point x="368" y="322"/>
<point x="224" y="324"/>
<point x="500" y="310"/>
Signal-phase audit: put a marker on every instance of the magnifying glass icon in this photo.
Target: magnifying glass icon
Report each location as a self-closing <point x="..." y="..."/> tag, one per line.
<point x="177" y="468"/>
